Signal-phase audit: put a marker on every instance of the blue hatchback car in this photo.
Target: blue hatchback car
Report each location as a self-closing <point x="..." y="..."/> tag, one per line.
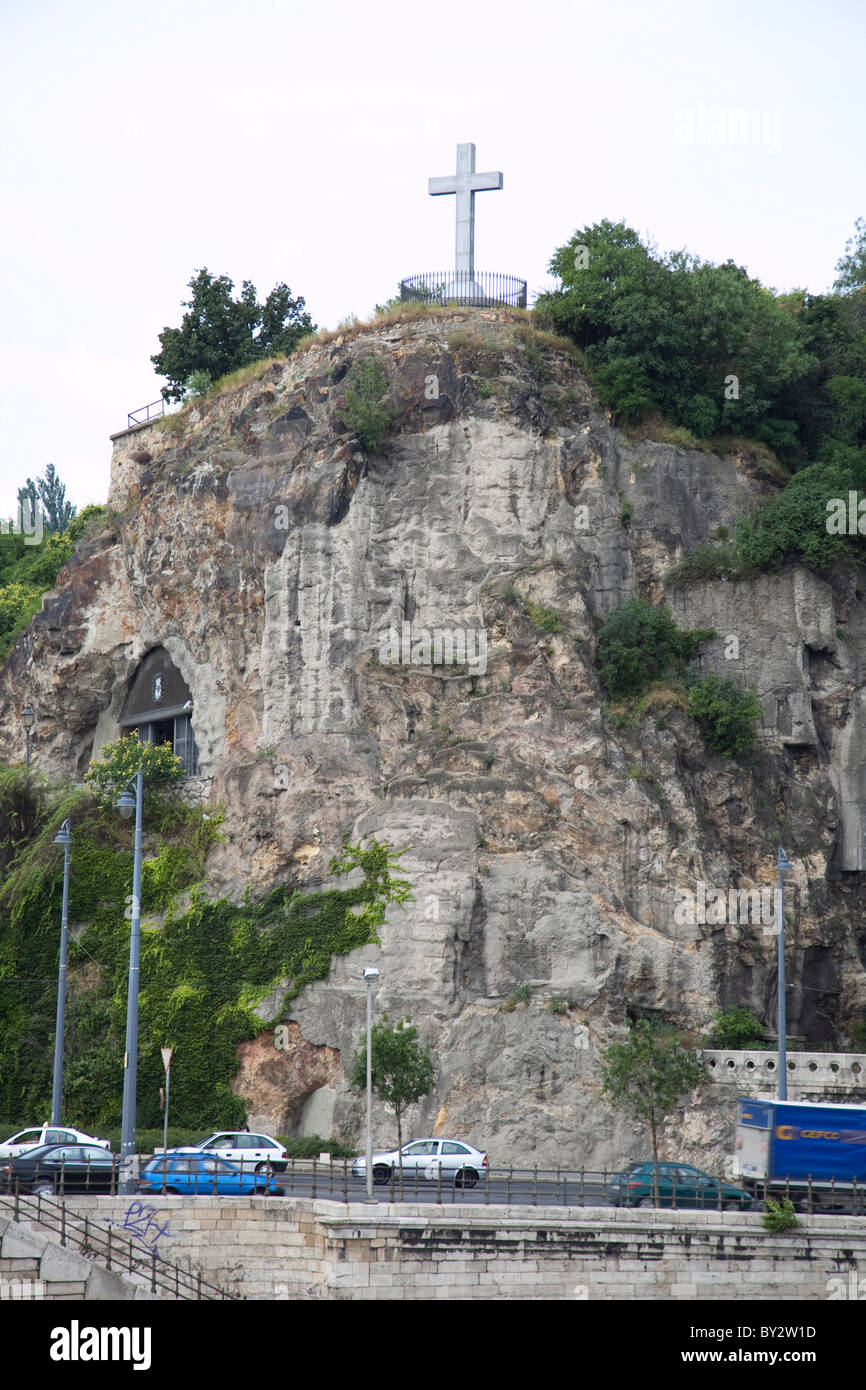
<point x="194" y="1173"/>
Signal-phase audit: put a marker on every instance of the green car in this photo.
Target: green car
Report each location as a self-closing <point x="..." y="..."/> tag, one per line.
<point x="680" y="1185"/>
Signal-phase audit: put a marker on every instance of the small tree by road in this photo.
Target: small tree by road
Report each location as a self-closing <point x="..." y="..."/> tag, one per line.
<point x="401" y="1068"/>
<point x="647" y="1076"/>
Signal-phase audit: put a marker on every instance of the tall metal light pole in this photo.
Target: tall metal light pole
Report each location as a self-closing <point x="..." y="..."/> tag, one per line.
<point x="64" y="838"/>
<point x="371" y="975"/>
<point x="782" y="866"/>
<point x="28" y="719"/>
<point x="125" y="805"/>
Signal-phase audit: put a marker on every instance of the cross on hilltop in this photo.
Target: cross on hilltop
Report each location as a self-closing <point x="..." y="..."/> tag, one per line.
<point x="465" y="183"/>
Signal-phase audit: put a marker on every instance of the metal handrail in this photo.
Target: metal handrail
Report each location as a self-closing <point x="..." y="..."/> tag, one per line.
<point x="150" y="413"/>
<point x="115" y="1252"/>
<point x="335" y="1180"/>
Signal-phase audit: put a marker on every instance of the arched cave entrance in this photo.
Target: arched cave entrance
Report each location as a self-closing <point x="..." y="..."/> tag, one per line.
<point x="159" y="706"/>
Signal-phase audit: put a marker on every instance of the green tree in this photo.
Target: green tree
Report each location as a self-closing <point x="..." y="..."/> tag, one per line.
<point x="220" y="334"/>
<point x="851" y="267"/>
<point x="703" y="344"/>
<point x="401" y="1069"/>
<point x="51" y="493"/>
<point x="647" y="1076"/>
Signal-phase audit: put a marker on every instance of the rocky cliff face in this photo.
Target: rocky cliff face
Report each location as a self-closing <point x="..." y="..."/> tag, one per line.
<point x="290" y="575"/>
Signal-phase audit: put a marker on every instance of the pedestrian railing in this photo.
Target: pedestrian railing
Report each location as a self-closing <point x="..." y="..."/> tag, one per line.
<point x="478" y="289"/>
<point x="115" y="1251"/>
<point x="145" y="413"/>
<point x="339" y="1180"/>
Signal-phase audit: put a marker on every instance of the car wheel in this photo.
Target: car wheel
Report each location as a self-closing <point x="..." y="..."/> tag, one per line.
<point x="261" y="1167"/>
<point x="645" y="1202"/>
<point x="733" y="1206"/>
<point x="44" y="1189"/>
<point x="381" y="1174"/>
<point x="467" y="1177"/>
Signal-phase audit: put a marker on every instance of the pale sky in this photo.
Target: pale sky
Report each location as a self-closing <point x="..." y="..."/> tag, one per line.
<point x="284" y="140"/>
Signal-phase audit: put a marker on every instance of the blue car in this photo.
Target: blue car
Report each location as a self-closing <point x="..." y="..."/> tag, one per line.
<point x="203" y="1175"/>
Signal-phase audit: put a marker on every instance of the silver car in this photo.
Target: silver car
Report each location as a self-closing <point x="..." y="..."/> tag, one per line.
<point x="255" y="1152"/>
<point x="455" y="1159"/>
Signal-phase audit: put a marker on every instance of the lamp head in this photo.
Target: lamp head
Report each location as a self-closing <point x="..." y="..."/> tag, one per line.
<point x="125" y="804"/>
<point x="28" y="716"/>
<point x="63" y="836"/>
<point x="783" y="863"/>
<point x="371" y="974"/>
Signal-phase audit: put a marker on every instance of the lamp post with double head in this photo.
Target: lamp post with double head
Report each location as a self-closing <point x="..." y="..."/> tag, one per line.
<point x="28" y="719"/>
<point x="126" y="804"/>
<point x="371" y="975"/>
<point x="64" y="838"/>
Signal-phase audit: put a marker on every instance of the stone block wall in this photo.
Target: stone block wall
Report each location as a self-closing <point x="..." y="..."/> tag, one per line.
<point x="304" y="1249"/>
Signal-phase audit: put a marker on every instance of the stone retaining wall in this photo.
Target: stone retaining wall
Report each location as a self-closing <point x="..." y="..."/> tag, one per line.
<point x="298" y="1248"/>
<point x="756" y="1070"/>
<point x="34" y="1265"/>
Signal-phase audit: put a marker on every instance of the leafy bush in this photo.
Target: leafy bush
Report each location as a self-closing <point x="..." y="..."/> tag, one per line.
<point x="107" y="776"/>
<point x="198" y="383"/>
<point x="367" y="412"/>
<point x="779" y="1216"/>
<point x="795" y="522"/>
<point x="639" y="643"/>
<point x="312" y="1145"/>
<point x="737" y="1028"/>
<point x="726" y="714"/>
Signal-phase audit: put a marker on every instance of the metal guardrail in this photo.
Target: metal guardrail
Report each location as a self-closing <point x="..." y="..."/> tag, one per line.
<point x="336" y="1181"/>
<point x="116" y="1253"/>
<point x="148" y="411"/>
<point x="480" y="289"/>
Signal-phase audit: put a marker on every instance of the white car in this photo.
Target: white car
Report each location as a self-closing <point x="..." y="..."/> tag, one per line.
<point x="46" y="1134"/>
<point x="427" y="1157"/>
<point x="254" y="1151"/>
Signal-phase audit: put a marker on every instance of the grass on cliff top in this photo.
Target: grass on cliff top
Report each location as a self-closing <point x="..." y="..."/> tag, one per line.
<point x="661" y="431"/>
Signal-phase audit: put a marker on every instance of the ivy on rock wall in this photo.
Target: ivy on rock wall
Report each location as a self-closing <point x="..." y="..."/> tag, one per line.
<point x="204" y="964"/>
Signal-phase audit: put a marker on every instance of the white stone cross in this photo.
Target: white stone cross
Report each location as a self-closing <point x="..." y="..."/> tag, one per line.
<point x="465" y="183"/>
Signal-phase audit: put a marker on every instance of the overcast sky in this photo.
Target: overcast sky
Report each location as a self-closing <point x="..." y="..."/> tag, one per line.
<point x="285" y="140"/>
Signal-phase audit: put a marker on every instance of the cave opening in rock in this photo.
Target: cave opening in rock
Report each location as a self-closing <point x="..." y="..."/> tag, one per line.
<point x="158" y="706"/>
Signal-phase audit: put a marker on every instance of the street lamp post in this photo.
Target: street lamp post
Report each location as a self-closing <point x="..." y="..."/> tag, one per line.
<point x="64" y="838"/>
<point x="125" y="805"/>
<point x="28" y="719"/>
<point x="371" y="975"/>
<point x="782" y="866"/>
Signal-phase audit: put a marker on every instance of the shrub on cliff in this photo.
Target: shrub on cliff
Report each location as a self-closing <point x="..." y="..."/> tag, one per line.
<point x="737" y="1028"/>
<point x="367" y="411"/>
<point x="727" y="715"/>
<point x="639" y="643"/>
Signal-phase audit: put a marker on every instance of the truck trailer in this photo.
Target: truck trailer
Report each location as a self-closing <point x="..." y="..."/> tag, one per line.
<point x="814" y="1153"/>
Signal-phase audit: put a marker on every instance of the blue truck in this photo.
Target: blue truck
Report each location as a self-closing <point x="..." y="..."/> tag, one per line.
<point x="816" y="1153"/>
